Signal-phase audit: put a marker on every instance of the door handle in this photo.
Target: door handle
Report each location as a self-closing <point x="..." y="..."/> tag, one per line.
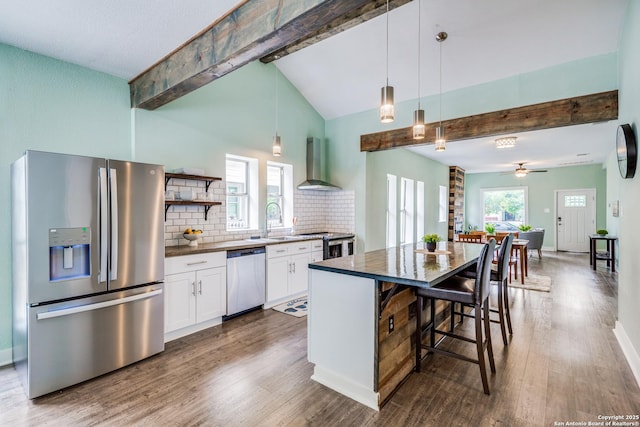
<point x="193" y="288"/>
<point x="200" y="287"/>
<point x="294" y="267"/>
<point x="104" y="238"/>
<point x="114" y="224"/>
<point x="96" y="306"/>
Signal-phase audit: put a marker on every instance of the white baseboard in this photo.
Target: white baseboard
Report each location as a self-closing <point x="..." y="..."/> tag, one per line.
<point x="271" y="304"/>
<point x="173" y="335"/>
<point x="549" y="248"/>
<point x="6" y="357"/>
<point x="343" y="386"/>
<point x="629" y="351"/>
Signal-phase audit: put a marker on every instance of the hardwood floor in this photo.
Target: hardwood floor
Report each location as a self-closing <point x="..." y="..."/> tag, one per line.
<point x="563" y="364"/>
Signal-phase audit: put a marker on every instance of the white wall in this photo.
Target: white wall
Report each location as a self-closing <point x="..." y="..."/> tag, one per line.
<point x="628" y="326"/>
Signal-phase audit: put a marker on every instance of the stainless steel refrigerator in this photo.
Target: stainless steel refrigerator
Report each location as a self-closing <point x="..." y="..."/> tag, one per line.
<point x="88" y="266"/>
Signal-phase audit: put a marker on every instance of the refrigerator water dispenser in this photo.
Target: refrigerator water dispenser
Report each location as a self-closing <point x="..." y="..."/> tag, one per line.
<point x="69" y="253"/>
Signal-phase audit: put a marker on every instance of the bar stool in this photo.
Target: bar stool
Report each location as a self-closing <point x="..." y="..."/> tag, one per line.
<point x="498" y="277"/>
<point x="457" y="289"/>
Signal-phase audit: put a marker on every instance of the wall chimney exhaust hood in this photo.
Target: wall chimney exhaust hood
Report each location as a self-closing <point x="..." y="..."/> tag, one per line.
<point x="314" y="168"/>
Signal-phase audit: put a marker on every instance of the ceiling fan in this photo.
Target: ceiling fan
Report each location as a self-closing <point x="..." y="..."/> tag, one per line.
<point x="521" y="171"/>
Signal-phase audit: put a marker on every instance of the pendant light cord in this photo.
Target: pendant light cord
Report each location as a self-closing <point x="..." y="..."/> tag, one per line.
<point x="276" y="68"/>
<point x="441" y="83"/>
<point x="419" y="1"/>
<point x="387" y="42"/>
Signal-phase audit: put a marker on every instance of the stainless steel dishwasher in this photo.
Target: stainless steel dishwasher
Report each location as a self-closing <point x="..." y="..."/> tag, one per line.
<point x="245" y="280"/>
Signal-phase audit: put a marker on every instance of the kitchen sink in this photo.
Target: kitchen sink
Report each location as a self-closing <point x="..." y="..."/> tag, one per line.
<point x="283" y="238"/>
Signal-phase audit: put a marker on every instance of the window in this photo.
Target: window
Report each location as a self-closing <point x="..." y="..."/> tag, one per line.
<point x="392" y="205"/>
<point x="505" y="207"/>
<point x="419" y="210"/>
<point x="575" y="201"/>
<point x="279" y="206"/>
<point x="406" y="210"/>
<point x="241" y="177"/>
<point x="275" y="185"/>
<point x="443" y="204"/>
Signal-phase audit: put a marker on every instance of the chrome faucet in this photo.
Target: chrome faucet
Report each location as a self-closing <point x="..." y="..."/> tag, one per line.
<point x="266" y="217"/>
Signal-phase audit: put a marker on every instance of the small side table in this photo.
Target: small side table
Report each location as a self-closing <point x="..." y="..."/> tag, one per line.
<point x="609" y="255"/>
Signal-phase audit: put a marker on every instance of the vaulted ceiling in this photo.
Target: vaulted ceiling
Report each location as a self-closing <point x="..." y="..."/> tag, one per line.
<point x="488" y="40"/>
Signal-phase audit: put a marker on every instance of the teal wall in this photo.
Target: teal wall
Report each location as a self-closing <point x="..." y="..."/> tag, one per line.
<point x="51" y="105"/>
<point x="234" y="114"/>
<point x="350" y="168"/>
<point x="541" y="196"/>
<point x="404" y="164"/>
<point x="627" y="191"/>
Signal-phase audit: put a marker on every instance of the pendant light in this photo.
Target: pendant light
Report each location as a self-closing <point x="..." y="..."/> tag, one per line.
<point x="441" y="140"/>
<point x="277" y="148"/>
<point x="387" y="109"/>
<point x="418" y="115"/>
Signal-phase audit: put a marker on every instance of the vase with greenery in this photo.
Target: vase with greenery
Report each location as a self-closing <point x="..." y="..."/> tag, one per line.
<point x="490" y="228"/>
<point x="602" y="232"/>
<point x="525" y="227"/>
<point x="431" y="241"/>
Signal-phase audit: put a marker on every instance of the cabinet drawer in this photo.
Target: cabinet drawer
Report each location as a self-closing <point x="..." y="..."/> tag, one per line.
<point x="317" y="245"/>
<point x="274" y="251"/>
<point x="183" y="264"/>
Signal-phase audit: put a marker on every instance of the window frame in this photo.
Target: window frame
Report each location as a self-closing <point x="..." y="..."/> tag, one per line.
<point x="524" y="189"/>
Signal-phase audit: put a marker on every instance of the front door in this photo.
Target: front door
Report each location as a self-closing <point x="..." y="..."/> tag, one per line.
<point x="576" y="219"/>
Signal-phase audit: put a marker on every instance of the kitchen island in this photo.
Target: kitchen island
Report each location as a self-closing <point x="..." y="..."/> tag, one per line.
<point x="362" y="315"/>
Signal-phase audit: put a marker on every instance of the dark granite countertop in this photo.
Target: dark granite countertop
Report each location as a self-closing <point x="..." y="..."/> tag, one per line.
<point x="405" y="266"/>
<point x="171" y="251"/>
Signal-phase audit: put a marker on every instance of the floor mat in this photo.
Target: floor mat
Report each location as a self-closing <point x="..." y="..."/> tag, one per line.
<point x="296" y="307"/>
<point x="534" y="282"/>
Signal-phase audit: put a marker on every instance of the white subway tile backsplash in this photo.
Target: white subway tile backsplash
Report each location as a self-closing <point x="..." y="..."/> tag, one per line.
<point x="316" y="211"/>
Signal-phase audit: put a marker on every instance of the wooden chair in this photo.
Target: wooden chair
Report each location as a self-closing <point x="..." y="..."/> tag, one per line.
<point x="504" y="233"/>
<point x="470" y="238"/>
<point x="457" y="289"/>
<point x="498" y="277"/>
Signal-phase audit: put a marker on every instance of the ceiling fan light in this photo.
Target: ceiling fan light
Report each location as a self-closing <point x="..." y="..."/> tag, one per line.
<point x="418" y="124"/>
<point x="521" y="173"/>
<point x="441" y="141"/>
<point x="387" y="109"/>
<point x="506" y="142"/>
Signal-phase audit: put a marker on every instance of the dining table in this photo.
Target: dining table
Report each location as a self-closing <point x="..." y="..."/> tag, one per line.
<point x="361" y="311"/>
<point x="519" y="249"/>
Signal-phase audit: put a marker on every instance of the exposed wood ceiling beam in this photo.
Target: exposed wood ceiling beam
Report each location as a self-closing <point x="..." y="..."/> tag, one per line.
<point x="251" y="31"/>
<point x="368" y="11"/>
<point x="598" y="107"/>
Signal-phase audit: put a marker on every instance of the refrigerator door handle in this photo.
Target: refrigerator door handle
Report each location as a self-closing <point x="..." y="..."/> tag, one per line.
<point x="89" y="307"/>
<point x="113" y="178"/>
<point x="103" y="226"/>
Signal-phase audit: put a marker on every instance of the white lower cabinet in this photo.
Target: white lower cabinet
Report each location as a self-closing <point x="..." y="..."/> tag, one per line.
<point x="288" y="269"/>
<point x="195" y="293"/>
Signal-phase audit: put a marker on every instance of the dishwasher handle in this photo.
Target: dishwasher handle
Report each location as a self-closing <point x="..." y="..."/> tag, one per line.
<point x="246" y="252"/>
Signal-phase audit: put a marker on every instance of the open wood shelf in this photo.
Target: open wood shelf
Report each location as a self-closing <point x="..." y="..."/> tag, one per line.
<point x="207" y="205"/>
<point x="207" y="179"/>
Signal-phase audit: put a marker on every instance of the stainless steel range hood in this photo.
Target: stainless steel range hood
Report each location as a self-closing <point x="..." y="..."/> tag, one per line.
<point x="314" y="168"/>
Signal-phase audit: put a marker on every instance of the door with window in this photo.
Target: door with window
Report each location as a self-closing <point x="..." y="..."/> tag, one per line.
<point x="576" y="219"/>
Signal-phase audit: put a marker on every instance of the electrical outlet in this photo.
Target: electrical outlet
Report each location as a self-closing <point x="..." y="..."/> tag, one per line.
<point x="391" y="323"/>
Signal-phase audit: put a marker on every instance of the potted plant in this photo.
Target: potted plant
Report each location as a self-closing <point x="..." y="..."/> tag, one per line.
<point x="602" y="232"/>
<point x="431" y="241"/>
<point x="524" y="227"/>
<point x="490" y="228"/>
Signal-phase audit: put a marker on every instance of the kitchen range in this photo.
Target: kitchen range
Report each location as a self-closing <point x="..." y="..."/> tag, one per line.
<point x="335" y="245"/>
<point x="88" y="266"/>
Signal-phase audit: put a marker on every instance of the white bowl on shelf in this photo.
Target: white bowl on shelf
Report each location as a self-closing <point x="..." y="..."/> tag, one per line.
<point x="192" y="238"/>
